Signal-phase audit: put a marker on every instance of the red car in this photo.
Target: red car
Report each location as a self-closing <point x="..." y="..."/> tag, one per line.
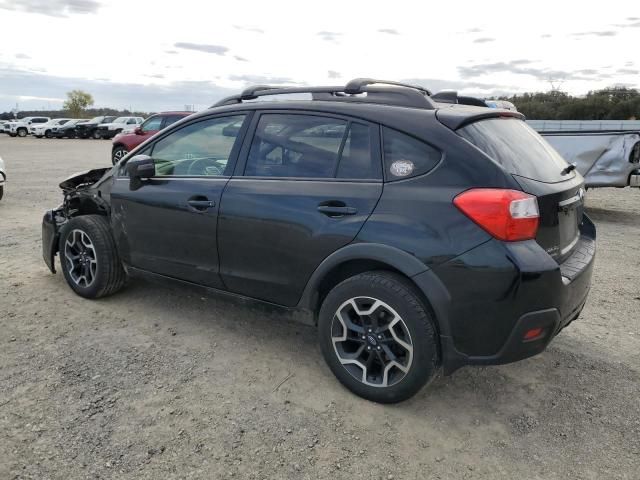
<point x="123" y="143"/>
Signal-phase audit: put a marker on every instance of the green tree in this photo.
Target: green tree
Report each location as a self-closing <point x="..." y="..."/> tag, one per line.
<point x="77" y="101"/>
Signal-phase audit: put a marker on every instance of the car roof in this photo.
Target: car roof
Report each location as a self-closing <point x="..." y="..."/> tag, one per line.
<point x="386" y="102"/>
<point x="415" y="121"/>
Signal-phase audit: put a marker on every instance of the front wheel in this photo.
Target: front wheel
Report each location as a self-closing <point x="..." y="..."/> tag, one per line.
<point x="89" y="258"/>
<point x="377" y="337"/>
<point x="96" y="135"/>
<point x="118" y="154"/>
<point x="22" y="132"/>
<point x="48" y="134"/>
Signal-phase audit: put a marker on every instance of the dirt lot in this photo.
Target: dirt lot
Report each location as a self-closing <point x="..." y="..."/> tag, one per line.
<point x="159" y="383"/>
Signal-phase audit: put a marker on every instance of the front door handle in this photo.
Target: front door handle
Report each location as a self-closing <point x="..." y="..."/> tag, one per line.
<point x="336" y="209"/>
<point x="200" y="203"/>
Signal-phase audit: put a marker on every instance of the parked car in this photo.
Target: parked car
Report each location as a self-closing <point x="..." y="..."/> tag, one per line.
<point x="40" y="130"/>
<point x="3" y="178"/>
<point x="21" y="126"/>
<point x="125" y="142"/>
<point x="428" y="236"/>
<point x="90" y="129"/>
<point x="111" y="129"/>
<point x="67" y="130"/>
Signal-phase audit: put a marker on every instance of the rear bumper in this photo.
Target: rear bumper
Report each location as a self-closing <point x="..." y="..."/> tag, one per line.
<point x="509" y="289"/>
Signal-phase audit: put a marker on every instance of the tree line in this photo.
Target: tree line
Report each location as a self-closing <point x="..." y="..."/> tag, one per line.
<point x="617" y="103"/>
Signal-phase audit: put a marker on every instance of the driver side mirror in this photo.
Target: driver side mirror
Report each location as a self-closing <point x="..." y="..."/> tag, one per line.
<point x="138" y="130"/>
<point x="140" y="167"/>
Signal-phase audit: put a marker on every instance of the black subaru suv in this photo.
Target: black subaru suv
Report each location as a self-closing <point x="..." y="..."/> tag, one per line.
<point x="417" y="235"/>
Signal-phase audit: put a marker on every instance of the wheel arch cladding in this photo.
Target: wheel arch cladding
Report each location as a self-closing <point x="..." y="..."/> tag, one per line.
<point x="359" y="258"/>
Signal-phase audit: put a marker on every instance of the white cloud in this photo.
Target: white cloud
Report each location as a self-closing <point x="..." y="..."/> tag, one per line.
<point x="190" y="41"/>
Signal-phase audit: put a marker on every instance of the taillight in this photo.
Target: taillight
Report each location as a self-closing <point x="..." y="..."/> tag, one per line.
<point x="508" y="215"/>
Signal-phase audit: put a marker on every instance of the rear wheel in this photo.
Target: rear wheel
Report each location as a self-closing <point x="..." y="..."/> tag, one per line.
<point x="47" y="134"/>
<point x="22" y="132"/>
<point x="377" y="337"/>
<point x="96" y="135"/>
<point x="118" y="153"/>
<point x="89" y="258"/>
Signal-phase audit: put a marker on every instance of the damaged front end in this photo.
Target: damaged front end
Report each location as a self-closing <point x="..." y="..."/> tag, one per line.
<point x="82" y="196"/>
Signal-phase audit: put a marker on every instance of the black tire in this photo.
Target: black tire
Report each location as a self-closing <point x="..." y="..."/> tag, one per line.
<point x="1" y="191"/>
<point x="13" y="134"/>
<point x="47" y="134"/>
<point x="117" y="153"/>
<point x="22" y="132"/>
<point x="396" y="292"/>
<point x="108" y="275"/>
<point x="96" y="134"/>
<point x="71" y="135"/>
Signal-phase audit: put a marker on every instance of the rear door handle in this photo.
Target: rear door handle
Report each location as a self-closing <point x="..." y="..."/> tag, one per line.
<point x="200" y="203"/>
<point x="336" y="211"/>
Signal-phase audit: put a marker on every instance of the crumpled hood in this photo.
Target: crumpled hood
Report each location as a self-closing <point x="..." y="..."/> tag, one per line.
<point x="88" y="177"/>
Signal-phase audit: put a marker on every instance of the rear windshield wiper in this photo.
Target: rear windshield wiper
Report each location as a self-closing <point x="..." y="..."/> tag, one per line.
<point x="570" y="168"/>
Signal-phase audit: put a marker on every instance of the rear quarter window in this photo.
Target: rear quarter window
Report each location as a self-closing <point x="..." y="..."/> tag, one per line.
<point x="406" y="156"/>
<point x="518" y="148"/>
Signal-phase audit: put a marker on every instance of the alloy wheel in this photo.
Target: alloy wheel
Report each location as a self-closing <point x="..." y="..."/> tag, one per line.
<point x="119" y="154"/>
<point x="81" y="258"/>
<point x="371" y="341"/>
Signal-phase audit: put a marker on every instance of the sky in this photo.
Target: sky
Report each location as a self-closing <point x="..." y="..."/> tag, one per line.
<point x="149" y="55"/>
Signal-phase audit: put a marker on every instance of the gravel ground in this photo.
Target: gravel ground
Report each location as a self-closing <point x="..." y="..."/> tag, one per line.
<point x="160" y="383"/>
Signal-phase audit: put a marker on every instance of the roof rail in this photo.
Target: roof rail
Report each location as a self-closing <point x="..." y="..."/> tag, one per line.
<point x="378" y="91"/>
<point x="357" y="85"/>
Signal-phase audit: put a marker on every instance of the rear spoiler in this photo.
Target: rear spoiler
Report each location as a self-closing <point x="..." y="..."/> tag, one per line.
<point x="458" y="117"/>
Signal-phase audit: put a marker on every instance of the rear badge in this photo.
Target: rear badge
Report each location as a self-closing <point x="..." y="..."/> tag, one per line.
<point x="401" y="168"/>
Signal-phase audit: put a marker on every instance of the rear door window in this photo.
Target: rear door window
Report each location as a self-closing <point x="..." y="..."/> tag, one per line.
<point x="152" y="124"/>
<point x="312" y="146"/>
<point x="287" y="145"/>
<point x="171" y="119"/>
<point x="518" y="148"/>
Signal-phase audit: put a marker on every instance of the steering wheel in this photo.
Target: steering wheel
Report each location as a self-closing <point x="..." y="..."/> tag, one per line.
<point x="204" y="165"/>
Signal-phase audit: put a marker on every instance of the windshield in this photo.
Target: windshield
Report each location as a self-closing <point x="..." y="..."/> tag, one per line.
<point x="518" y="148"/>
<point x="120" y="120"/>
<point x="96" y="119"/>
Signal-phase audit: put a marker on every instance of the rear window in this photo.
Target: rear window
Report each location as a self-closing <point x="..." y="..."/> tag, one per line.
<point x="518" y="148"/>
